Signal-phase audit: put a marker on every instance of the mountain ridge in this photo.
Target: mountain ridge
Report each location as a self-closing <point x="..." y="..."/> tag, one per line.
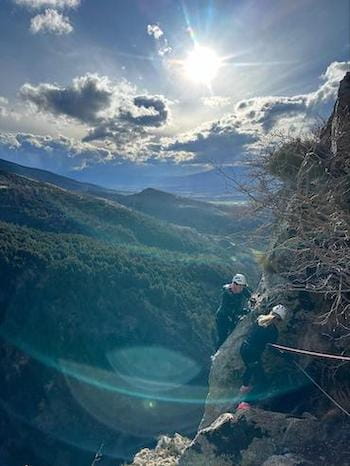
<point x="203" y="216"/>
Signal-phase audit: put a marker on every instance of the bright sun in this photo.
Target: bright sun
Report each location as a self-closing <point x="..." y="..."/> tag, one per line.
<point x="202" y="65"/>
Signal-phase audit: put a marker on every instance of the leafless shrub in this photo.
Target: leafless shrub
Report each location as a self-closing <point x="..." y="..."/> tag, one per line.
<point x="307" y="193"/>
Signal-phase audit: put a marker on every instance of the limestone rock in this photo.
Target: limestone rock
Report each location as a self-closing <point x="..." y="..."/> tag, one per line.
<point x="166" y="453"/>
<point x="335" y="138"/>
<point x="225" y="376"/>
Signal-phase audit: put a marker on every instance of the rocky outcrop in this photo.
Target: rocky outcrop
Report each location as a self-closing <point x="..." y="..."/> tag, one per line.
<point x="257" y="437"/>
<point x="301" y="330"/>
<point x="335" y="138"/>
<point x="224" y="379"/>
<point x="249" y="438"/>
<point x="166" y="453"/>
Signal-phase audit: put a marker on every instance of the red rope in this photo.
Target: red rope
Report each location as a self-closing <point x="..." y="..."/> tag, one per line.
<point x="310" y="353"/>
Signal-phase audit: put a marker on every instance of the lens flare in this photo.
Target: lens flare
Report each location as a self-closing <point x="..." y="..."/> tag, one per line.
<point x="153" y="369"/>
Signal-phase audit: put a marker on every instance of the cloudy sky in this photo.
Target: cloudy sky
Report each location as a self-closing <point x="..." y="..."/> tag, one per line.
<point x="104" y="89"/>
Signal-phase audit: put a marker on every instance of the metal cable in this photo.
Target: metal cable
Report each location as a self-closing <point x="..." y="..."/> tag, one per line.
<point x="321" y="389"/>
<point x="310" y="353"/>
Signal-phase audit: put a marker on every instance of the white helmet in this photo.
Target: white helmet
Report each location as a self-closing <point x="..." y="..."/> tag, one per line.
<point x="280" y="310"/>
<point x="239" y="279"/>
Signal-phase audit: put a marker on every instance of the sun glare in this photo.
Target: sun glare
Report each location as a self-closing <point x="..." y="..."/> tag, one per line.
<point x="202" y="65"/>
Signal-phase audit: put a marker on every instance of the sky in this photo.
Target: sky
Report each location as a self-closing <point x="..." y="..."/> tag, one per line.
<point x="110" y="90"/>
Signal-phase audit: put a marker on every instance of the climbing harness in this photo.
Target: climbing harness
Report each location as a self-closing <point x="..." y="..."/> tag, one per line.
<point x="320" y="355"/>
<point x="310" y="353"/>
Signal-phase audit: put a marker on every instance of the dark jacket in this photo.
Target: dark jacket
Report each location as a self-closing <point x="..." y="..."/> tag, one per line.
<point x="256" y="340"/>
<point x="231" y="306"/>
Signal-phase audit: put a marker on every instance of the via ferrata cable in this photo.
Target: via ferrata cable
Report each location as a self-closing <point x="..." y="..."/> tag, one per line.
<point x="282" y="348"/>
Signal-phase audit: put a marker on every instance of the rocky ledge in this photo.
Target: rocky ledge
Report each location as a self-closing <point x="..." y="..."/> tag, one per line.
<point x="256" y="437"/>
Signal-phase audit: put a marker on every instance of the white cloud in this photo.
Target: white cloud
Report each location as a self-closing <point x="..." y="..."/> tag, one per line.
<point x="237" y="134"/>
<point x="114" y="115"/>
<point x="162" y="42"/>
<point x="51" y="153"/>
<point x="123" y="122"/>
<point x="105" y="107"/>
<point x="146" y="111"/>
<point x="216" y="101"/>
<point x="328" y="90"/>
<point x="164" y="49"/>
<point x="63" y="154"/>
<point x="85" y="99"/>
<point x="275" y="111"/>
<point x="50" y="22"/>
<point x="155" y="31"/>
<point x="265" y="112"/>
<point x="39" y="4"/>
<point x="217" y="141"/>
<point x="3" y="107"/>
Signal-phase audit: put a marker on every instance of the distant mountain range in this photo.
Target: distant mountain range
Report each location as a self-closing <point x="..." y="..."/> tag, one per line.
<point x="203" y="216"/>
<point x="221" y="182"/>
<point x="49" y="177"/>
<point x="211" y="184"/>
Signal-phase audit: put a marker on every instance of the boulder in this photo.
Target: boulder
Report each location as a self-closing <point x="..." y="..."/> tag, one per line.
<point x="166" y="453"/>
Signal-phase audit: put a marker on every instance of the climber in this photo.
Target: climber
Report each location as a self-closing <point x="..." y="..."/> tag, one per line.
<point x="263" y="331"/>
<point x="231" y="309"/>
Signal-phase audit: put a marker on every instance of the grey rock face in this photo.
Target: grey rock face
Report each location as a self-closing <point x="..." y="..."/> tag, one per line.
<point x="340" y="128"/>
<point x="335" y="138"/>
<point x="225" y="376"/>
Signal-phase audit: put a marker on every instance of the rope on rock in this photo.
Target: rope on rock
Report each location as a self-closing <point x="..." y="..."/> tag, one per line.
<point x="320" y="355"/>
<point x="321" y="389"/>
<point x="310" y="353"/>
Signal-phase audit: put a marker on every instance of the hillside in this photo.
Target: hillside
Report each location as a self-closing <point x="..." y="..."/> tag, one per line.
<point x="47" y="208"/>
<point x="52" y="178"/>
<point x="203" y="216"/>
<point x="92" y="293"/>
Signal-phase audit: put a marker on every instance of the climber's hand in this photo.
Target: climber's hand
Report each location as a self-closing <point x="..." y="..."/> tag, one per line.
<point x="252" y="302"/>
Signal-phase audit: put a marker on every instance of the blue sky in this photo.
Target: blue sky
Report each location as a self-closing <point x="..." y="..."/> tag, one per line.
<point x="90" y="88"/>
